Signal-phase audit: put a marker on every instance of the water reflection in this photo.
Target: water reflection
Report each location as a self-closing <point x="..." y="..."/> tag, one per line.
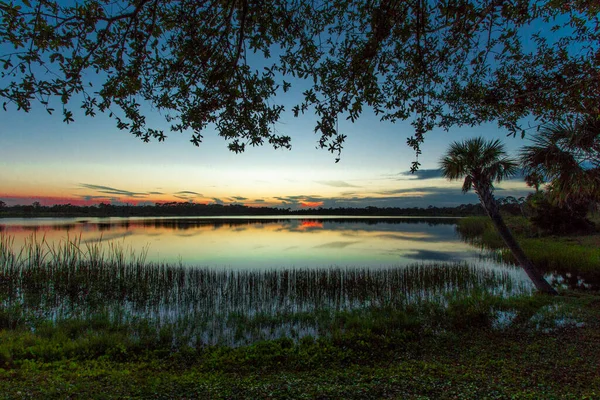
<point x="264" y="242"/>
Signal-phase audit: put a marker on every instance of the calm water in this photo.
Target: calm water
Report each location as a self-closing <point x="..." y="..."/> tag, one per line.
<point x="259" y="242"/>
<point x="238" y="280"/>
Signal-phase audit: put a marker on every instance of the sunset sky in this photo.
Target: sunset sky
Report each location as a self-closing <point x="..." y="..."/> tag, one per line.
<point x="91" y="161"/>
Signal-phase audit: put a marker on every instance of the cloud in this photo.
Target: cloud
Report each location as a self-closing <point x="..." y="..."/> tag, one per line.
<point x="437" y="173"/>
<point x="422" y="174"/>
<point x="336" y="184"/>
<point x="188" y="192"/>
<point x="420" y="197"/>
<point x="89" y="198"/>
<point x="155" y="193"/>
<point x="238" y="198"/>
<point x="259" y="201"/>
<point x="311" y="204"/>
<point x="113" y="191"/>
<point x="217" y="200"/>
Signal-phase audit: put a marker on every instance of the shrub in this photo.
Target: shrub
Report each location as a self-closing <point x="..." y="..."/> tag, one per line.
<point x="570" y="218"/>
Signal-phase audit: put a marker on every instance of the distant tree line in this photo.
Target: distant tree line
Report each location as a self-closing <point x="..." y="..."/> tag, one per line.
<point x="184" y="209"/>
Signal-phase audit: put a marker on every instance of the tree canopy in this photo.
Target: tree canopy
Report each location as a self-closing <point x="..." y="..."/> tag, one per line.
<point x="567" y="157"/>
<point x="223" y="63"/>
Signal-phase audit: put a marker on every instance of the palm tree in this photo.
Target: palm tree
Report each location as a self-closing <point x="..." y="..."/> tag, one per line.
<point x="481" y="163"/>
<point x="567" y="155"/>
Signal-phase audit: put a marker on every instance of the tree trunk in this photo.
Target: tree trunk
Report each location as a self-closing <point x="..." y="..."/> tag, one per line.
<point x="489" y="204"/>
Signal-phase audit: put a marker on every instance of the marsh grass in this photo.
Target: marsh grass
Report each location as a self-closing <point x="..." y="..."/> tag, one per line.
<point x="571" y="261"/>
<point x="72" y="281"/>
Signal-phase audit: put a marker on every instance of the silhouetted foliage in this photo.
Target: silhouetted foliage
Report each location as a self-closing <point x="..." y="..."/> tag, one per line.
<point x="182" y="209"/>
<point x="558" y="219"/>
<point x="480" y="163"/>
<point x="567" y="157"/>
<point x="224" y="63"/>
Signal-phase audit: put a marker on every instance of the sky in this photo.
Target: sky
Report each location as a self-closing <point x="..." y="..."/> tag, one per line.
<point x="91" y="161"/>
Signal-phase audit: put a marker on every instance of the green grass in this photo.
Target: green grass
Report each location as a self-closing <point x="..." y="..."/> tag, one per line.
<point x="567" y="256"/>
<point x="94" y="322"/>
<point x="377" y="354"/>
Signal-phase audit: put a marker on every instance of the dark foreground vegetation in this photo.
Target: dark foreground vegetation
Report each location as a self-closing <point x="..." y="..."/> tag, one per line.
<point x="87" y="321"/>
<point x="550" y="349"/>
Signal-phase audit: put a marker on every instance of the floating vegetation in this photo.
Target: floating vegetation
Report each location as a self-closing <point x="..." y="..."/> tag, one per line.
<point x="75" y="280"/>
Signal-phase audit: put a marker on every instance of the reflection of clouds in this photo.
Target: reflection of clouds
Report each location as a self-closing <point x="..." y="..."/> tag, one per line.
<point x="107" y="237"/>
<point x="152" y="234"/>
<point x="433" y="255"/>
<point x="336" y="245"/>
<point x="276" y="242"/>
<point x="416" y="236"/>
<point x="187" y="234"/>
<point x="406" y="236"/>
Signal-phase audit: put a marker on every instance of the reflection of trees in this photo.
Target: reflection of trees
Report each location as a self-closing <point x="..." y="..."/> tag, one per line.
<point x="287" y="224"/>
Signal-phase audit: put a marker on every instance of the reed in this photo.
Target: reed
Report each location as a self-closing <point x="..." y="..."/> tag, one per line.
<point x="80" y="281"/>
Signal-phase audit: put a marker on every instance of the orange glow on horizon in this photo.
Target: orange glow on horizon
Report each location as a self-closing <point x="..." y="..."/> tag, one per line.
<point x="76" y="201"/>
<point x="311" y="204"/>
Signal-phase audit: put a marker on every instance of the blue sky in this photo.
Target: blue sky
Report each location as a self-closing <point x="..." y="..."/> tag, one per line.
<point x="90" y="160"/>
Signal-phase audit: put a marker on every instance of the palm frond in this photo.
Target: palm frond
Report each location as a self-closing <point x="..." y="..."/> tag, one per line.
<point x="566" y="154"/>
<point x="479" y="161"/>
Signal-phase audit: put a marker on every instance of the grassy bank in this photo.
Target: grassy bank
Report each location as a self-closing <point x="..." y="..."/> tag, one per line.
<point x="551" y="349"/>
<point x="89" y="321"/>
<point x="572" y="258"/>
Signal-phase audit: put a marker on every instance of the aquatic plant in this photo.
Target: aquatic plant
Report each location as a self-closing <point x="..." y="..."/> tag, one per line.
<point x="73" y="280"/>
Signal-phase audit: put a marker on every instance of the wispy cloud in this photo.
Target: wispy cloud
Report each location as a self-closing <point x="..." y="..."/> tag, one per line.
<point x="89" y="198"/>
<point x="238" y="198"/>
<point x="422" y="174"/>
<point x="113" y="191"/>
<point x="188" y="192"/>
<point x="182" y="197"/>
<point x="437" y="173"/>
<point x="336" y="184"/>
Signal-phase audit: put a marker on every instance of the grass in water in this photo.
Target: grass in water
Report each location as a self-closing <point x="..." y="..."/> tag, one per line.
<point x="75" y="281"/>
<point x="97" y="321"/>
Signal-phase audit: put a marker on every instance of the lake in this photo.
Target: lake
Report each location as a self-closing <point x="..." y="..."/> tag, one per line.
<point x="264" y="242"/>
<point x="238" y="280"/>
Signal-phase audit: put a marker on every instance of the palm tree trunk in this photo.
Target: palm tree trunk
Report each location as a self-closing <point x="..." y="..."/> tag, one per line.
<point x="489" y="204"/>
